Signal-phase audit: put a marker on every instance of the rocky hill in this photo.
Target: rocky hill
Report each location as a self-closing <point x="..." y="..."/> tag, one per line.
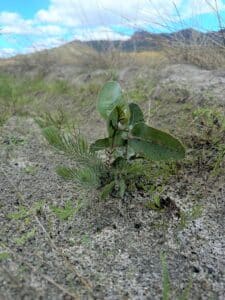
<point x="144" y="40"/>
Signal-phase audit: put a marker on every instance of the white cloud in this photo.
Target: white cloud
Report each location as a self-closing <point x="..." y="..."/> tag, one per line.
<point x="137" y="14"/>
<point x="7" y="52"/>
<point x="103" y="12"/>
<point x="13" y="23"/>
<point x="63" y="16"/>
<point x="44" y="44"/>
<point x="50" y="30"/>
<point x="99" y="33"/>
<point x="93" y="19"/>
<point x="198" y="7"/>
<point x="9" y="18"/>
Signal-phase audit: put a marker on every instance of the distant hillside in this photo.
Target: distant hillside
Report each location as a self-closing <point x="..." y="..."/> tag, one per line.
<point x="73" y="53"/>
<point x="144" y="41"/>
<point x="76" y="55"/>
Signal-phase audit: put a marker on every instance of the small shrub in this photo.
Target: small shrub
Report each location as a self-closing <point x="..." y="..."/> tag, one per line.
<point x="129" y="144"/>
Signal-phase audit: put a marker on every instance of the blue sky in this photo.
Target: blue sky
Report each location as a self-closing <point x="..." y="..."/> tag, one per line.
<point x="28" y="26"/>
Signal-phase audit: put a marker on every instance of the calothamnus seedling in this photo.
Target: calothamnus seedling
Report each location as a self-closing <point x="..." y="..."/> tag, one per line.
<point x="129" y="142"/>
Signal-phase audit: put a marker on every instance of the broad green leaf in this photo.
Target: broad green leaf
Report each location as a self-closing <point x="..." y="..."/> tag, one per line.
<point x="119" y="163"/>
<point x="155" y="144"/>
<point x="130" y="152"/>
<point x="124" y="112"/>
<point x="136" y="114"/>
<point x="112" y="122"/>
<point x="119" y="139"/>
<point x="110" y="96"/>
<point x="107" y="189"/>
<point x="100" y="144"/>
<point x="118" y="118"/>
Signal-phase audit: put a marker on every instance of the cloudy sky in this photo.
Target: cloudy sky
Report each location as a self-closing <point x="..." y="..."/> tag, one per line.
<point x="28" y="26"/>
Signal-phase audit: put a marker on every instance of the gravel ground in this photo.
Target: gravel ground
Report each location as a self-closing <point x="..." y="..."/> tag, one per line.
<point x="109" y="250"/>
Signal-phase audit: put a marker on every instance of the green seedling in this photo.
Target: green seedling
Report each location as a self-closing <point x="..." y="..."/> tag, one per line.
<point x="25" y="237"/>
<point x="64" y="213"/>
<point x="189" y="216"/>
<point x="31" y="170"/>
<point x="20" y="214"/>
<point x="25" y="213"/>
<point x="155" y="203"/>
<point x="129" y="144"/>
<point x="4" y="256"/>
<point x="166" y="283"/>
<point x="165" y="278"/>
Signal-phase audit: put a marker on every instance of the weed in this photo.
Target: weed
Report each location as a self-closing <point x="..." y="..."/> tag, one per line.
<point x="217" y="168"/>
<point x="64" y="213"/>
<point x="189" y="216"/>
<point x="4" y="256"/>
<point x="23" y="212"/>
<point x="86" y="240"/>
<point x="4" y="115"/>
<point x="15" y="140"/>
<point x="130" y="140"/>
<point x="13" y="93"/>
<point x="200" y="52"/>
<point x="141" y="90"/>
<point x="209" y="129"/>
<point x="166" y="283"/>
<point x="113" y="75"/>
<point x="165" y="278"/>
<point x="210" y="123"/>
<point x="25" y="237"/>
<point x="155" y="193"/>
<point x="59" y="87"/>
<point x="31" y="170"/>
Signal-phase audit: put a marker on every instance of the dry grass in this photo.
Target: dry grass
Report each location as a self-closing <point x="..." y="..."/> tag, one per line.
<point x="116" y="59"/>
<point x="83" y="58"/>
<point x="204" y="56"/>
<point x="74" y="53"/>
<point x="149" y="58"/>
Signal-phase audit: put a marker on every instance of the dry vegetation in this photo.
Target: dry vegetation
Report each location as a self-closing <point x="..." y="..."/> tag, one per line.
<point x="207" y="57"/>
